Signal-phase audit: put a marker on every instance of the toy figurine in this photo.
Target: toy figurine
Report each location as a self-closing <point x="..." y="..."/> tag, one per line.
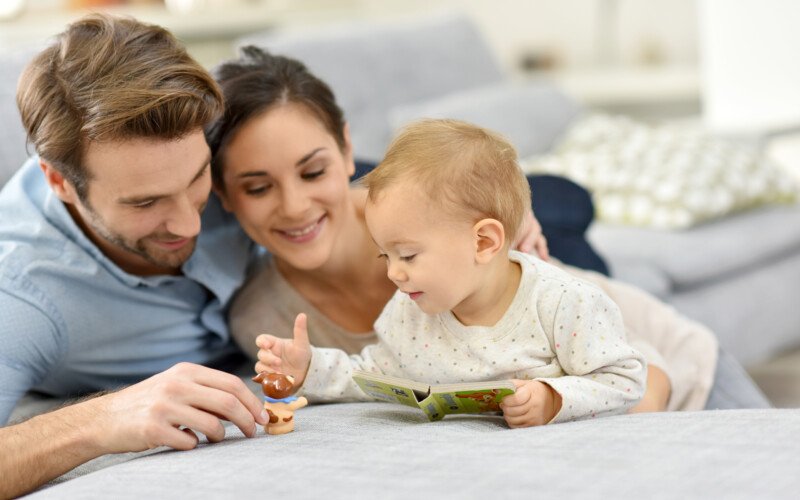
<point x="279" y="402"/>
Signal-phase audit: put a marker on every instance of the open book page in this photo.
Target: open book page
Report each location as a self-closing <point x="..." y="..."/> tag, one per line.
<point x="438" y="400"/>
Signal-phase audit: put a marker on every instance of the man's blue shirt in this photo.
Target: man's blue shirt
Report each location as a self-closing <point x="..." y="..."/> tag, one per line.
<point x="72" y="321"/>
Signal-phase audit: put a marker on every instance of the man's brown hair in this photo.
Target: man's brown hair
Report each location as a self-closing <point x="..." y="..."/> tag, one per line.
<point x="465" y="169"/>
<point x="111" y="78"/>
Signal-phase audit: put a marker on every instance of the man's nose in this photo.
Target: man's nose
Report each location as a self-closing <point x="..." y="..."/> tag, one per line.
<point x="184" y="221"/>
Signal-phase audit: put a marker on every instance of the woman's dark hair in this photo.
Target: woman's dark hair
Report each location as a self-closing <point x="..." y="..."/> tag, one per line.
<point x="258" y="81"/>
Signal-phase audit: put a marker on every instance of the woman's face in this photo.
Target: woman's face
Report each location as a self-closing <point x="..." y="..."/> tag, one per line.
<point x="287" y="181"/>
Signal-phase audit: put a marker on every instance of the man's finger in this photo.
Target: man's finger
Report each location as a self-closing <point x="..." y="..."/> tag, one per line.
<point x="228" y="407"/>
<point x="231" y="384"/>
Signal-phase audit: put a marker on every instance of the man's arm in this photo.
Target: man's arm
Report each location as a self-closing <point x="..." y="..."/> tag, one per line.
<point x="168" y="409"/>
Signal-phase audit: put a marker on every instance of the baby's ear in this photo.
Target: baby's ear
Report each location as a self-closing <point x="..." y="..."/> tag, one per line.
<point x="490" y="239"/>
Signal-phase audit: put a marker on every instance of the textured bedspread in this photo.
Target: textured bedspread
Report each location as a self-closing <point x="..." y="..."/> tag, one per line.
<point x="372" y="450"/>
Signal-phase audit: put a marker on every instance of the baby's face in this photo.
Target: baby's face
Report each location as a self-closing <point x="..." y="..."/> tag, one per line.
<point x="429" y="255"/>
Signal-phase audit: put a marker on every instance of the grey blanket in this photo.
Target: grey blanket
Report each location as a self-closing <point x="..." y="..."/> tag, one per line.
<point x="378" y="450"/>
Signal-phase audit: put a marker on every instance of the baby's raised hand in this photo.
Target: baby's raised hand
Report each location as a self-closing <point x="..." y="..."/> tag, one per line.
<point x="534" y="403"/>
<point x="289" y="356"/>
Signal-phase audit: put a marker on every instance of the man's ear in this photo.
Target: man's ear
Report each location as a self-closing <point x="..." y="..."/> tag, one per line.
<point x="60" y="185"/>
<point x="348" y="151"/>
<point x="490" y="239"/>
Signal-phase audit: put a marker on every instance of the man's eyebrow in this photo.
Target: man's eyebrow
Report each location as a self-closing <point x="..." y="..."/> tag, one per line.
<point x="135" y="200"/>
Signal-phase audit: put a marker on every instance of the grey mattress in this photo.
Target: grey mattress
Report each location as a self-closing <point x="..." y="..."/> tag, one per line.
<point x="378" y="450"/>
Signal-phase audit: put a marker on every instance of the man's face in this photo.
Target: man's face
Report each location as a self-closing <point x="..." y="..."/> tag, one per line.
<point x="144" y="200"/>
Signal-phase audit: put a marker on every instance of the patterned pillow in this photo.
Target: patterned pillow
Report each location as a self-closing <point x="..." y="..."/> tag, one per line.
<point x="662" y="176"/>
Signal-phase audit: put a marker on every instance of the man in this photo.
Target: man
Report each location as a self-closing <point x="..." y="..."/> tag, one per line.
<point x="104" y="279"/>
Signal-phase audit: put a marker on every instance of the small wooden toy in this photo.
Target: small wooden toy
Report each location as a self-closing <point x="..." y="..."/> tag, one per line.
<point x="279" y="402"/>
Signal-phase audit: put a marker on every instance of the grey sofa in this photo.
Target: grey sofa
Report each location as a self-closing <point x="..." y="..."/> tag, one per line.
<point x="383" y="75"/>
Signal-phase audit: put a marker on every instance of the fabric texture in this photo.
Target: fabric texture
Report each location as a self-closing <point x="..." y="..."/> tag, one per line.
<point x="74" y="322"/>
<point x="661" y="176"/>
<point x="559" y="330"/>
<point x="381" y="450"/>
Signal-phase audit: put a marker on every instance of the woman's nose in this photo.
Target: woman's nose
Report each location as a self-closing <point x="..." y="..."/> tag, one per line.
<point x="294" y="203"/>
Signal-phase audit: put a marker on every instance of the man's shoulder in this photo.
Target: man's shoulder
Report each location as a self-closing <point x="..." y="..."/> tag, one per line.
<point x="26" y="234"/>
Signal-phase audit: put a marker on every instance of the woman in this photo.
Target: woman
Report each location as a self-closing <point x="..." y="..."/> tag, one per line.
<point x="282" y="162"/>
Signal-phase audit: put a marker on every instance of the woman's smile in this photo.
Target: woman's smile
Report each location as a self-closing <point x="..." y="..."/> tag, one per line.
<point x="305" y="233"/>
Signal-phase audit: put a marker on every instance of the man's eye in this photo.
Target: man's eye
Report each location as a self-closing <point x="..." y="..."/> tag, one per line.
<point x="408" y="258"/>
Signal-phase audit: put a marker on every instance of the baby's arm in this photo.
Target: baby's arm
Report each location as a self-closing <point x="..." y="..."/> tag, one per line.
<point x="324" y="374"/>
<point x="604" y="374"/>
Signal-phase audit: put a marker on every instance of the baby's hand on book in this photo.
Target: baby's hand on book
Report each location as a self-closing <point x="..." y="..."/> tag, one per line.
<point x="289" y="356"/>
<point x="534" y="403"/>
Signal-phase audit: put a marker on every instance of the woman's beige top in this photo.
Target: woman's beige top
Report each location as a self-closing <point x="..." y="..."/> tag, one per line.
<point x="684" y="349"/>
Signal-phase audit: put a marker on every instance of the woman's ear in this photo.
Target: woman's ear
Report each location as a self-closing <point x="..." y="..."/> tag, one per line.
<point x="490" y="239"/>
<point x="60" y="185"/>
<point x="348" y="151"/>
<point x="220" y="192"/>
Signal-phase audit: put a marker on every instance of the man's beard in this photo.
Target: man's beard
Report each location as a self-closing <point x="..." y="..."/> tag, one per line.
<point x="144" y="247"/>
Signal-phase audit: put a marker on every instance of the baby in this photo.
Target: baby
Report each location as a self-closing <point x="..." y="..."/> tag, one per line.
<point x="443" y="207"/>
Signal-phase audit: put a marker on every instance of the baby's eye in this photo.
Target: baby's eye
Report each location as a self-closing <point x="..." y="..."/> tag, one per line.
<point x="408" y="258"/>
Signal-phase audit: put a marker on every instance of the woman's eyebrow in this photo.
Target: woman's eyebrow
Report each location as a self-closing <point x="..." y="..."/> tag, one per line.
<point x="308" y="156"/>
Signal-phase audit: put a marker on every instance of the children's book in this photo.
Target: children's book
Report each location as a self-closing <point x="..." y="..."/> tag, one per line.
<point x="436" y="400"/>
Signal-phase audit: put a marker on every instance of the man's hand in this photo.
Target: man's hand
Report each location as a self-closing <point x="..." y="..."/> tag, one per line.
<point x="530" y="238"/>
<point x="534" y="403"/>
<point x="169" y="408"/>
<point x="291" y="357"/>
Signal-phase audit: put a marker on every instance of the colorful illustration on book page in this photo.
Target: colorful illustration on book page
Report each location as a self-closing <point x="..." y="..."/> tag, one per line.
<point x="474" y="401"/>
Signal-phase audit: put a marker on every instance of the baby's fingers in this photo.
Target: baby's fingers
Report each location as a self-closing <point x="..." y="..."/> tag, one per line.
<point x="269" y="359"/>
<point x="519" y="398"/>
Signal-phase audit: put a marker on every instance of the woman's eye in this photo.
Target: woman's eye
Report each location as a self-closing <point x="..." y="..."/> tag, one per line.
<point x="313" y="175"/>
<point x="257" y="190"/>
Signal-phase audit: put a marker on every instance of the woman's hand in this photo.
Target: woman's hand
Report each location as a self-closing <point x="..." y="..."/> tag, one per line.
<point x="656" y="394"/>
<point x="534" y="403"/>
<point x="530" y="238"/>
<point x="291" y="357"/>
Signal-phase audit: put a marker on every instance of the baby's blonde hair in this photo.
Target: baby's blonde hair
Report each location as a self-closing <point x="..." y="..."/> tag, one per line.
<point x="458" y="166"/>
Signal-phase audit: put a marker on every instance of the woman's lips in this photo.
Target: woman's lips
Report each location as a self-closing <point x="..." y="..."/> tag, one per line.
<point x="303" y="234"/>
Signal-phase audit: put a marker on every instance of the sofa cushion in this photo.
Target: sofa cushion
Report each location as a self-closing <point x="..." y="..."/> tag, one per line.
<point x="663" y="176"/>
<point x="378" y="450"/>
<point x="13" y="152"/>
<point x="533" y="116"/>
<point x="368" y="67"/>
<point x="707" y="252"/>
